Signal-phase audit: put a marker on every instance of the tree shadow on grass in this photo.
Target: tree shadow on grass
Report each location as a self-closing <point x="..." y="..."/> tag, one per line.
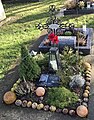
<point x="22" y="5"/>
<point x="19" y="1"/>
<point x="33" y="17"/>
<point x="41" y="16"/>
<point x="28" y="9"/>
<point x="25" y="5"/>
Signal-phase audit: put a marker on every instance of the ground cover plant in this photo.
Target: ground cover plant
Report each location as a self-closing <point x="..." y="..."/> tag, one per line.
<point x="21" y="28"/>
<point x="61" y="97"/>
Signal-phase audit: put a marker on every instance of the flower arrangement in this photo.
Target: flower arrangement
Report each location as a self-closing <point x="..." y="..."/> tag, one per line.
<point x="53" y="38"/>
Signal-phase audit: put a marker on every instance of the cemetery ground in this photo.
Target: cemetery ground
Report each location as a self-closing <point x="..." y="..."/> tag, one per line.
<point x="20" y="29"/>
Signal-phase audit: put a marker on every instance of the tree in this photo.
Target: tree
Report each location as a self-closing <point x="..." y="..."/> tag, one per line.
<point x="28" y="67"/>
<point x="2" y="12"/>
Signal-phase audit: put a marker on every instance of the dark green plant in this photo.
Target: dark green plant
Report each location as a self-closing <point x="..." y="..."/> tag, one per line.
<point x="28" y="67"/>
<point x="70" y="65"/>
<point x="71" y="62"/>
<point x="64" y="78"/>
<point x="42" y="60"/>
<point x="61" y="97"/>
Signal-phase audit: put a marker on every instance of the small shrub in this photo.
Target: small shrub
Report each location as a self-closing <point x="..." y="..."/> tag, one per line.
<point x="28" y="67"/>
<point x="61" y="97"/>
<point x="71" y="62"/>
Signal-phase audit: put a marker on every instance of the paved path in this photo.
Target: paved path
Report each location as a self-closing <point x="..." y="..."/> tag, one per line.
<point x="12" y="112"/>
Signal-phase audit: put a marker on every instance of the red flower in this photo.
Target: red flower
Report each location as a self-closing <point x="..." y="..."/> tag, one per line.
<point x="55" y="40"/>
<point x="51" y="36"/>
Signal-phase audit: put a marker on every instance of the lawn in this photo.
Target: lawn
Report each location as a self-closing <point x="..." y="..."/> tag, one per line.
<point x="21" y="28"/>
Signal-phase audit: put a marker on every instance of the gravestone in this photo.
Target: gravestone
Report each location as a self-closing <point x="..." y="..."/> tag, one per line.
<point x="2" y="12"/>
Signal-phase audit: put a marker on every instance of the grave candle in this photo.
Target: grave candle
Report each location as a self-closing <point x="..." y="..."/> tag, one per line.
<point x="88" y="4"/>
<point x="84" y="29"/>
<point x="93" y="5"/>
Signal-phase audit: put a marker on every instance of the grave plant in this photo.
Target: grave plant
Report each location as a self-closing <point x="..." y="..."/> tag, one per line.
<point x="28" y="67"/>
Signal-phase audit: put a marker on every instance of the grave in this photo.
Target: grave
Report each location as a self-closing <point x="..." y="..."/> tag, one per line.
<point x="78" y="7"/>
<point x="71" y="42"/>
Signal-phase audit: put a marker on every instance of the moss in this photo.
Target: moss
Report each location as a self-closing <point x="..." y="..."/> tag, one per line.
<point x="61" y="97"/>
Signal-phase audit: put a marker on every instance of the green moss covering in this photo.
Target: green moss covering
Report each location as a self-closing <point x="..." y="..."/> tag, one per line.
<point x="61" y="97"/>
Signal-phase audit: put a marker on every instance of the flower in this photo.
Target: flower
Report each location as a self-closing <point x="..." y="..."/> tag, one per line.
<point x="54" y="38"/>
<point x="51" y="36"/>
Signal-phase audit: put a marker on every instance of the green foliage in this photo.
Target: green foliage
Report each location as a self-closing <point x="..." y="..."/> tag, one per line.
<point x="61" y="97"/>
<point x="70" y="64"/>
<point x="42" y="60"/>
<point x="64" y="77"/>
<point x="68" y="33"/>
<point x="28" y="67"/>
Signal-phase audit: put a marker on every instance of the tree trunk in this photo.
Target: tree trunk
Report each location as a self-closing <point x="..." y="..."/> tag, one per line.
<point x="2" y="12"/>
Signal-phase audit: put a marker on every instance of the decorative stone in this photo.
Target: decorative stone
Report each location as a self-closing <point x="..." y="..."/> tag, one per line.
<point x="18" y="102"/>
<point x="88" y="83"/>
<point x="29" y="104"/>
<point x="88" y="75"/>
<point x="52" y="108"/>
<point x="88" y="78"/>
<point x="24" y="103"/>
<point x="40" y="91"/>
<point x="82" y="111"/>
<point x="34" y="105"/>
<point x="85" y="94"/>
<point x="87" y="91"/>
<point x="88" y="72"/>
<point x="77" y="80"/>
<point x="9" y="97"/>
<point x="65" y="111"/>
<point x="87" y="87"/>
<point x="86" y="65"/>
<point x="40" y="106"/>
<point x="85" y="99"/>
<point x="71" y="112"/>
<point x="46" y="107"/>
<point x="18" y="81"/>
<point x="88" y="69"/>
<point x="58" y="110"/>
<point x="12" y="89"/>
<point x="85" y="104"/>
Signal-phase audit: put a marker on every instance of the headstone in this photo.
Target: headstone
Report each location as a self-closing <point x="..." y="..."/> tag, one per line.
<point x="2" y="12"/>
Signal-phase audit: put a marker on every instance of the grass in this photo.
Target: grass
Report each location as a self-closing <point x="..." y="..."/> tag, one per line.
<point x="21" y="28"/>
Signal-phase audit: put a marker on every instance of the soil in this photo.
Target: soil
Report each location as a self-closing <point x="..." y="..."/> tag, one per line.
<point x="12" y="112"/>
